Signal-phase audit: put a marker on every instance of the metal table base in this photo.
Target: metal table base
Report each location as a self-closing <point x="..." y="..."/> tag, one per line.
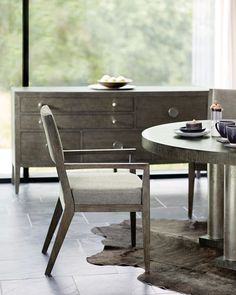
<point x="228" y="260"/>
<point x="215" y="225"/>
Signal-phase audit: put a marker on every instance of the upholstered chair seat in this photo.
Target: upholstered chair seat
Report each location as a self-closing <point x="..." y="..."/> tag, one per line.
<point x="105" y="188"/>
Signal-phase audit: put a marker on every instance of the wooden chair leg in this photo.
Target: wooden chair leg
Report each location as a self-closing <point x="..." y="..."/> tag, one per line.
<point x="52" y="227"/>
<point x="133" y="228"/>
<point x="146" y="239"/>
<point x="191" y="179"/>
<point x="62" y="230"/>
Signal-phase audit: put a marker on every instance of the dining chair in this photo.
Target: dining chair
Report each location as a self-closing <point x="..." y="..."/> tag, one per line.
<point x="96" y="190"/>
<point x="227" y="98"/>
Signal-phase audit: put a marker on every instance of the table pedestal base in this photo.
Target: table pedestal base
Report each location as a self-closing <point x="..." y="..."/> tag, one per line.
<point x="222" y="262"/>
<point x="206" y="241"/>
<point x="215" y="224"/>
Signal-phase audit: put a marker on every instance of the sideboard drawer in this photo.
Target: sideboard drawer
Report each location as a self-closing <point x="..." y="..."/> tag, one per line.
<point x="35" y="150"/>
<point x="80" y="121"/>
<point x="114" y="139"/>
<point x="71" y="105"/>
<point x="166" y="109"/>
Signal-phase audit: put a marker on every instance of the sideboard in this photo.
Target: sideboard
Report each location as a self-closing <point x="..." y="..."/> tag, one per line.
<point x="89" y="118"/>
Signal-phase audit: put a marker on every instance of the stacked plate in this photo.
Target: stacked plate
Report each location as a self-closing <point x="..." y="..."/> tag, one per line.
<point x="226" y="142"/>
<point x="230" y="145"/>
<point x="185" y="132"/>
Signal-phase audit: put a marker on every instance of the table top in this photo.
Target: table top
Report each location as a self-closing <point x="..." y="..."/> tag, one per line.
<point x="163" y="141"/>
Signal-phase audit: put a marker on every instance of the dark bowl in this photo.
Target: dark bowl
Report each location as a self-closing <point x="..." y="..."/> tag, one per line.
<point x="114" y="85"/>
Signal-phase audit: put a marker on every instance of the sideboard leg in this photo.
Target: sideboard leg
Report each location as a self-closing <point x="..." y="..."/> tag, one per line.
<point x="17" y="178"/>
<point x="229" y="257"/>
<point x="12" y="174"/>
<point x="215" y="225"/>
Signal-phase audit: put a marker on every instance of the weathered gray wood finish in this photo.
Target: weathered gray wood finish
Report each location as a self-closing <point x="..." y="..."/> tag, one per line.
<point x="68" y="202"/>
<point x="96" y="119"/>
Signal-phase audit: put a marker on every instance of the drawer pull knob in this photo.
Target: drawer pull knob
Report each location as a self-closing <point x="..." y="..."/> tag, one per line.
<point x="113" y="121"/>
<point x="114" y="104"/>
<point x="40" y="105"/>
<point x="46" y="145"/>
<point x="173" y="112"/>
<point x="40" y="121"/>
<point x="117" y="145"/>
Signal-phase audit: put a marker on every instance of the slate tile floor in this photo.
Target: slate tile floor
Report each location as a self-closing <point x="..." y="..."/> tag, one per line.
<point x="24" y="221"/>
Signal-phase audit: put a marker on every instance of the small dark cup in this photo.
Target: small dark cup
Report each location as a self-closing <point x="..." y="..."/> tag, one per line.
<point x="231" y="133"/>
<point x="221" y="127"/>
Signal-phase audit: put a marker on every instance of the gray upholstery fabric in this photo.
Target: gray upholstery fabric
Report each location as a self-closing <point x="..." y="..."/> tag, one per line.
<point x="105" y="188"/>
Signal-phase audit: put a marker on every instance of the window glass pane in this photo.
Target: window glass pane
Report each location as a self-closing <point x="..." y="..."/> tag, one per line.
<point x="75" y="42"/>
<point x="10" y="74"/>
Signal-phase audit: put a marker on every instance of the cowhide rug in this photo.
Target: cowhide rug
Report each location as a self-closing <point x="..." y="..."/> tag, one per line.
<point x="177" y="261"/>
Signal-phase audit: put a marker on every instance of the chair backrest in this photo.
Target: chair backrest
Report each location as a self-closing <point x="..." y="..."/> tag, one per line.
<point x="56" y="150"/>
<point x="52" y="135"/>
<point x="227" y="98"/>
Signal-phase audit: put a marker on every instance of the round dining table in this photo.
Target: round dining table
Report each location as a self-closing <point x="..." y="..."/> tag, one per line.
<point x="167" y="141"/>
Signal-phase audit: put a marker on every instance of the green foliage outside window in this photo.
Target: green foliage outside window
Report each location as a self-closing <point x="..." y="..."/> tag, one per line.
<point x="75" y="42"/>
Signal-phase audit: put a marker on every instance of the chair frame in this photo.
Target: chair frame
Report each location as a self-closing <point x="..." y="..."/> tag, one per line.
<point x="65" y="207"/>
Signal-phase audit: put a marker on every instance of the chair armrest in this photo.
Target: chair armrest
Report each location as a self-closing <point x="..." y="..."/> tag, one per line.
<point x="98" y="151"/>
<point x="141" y="166"/>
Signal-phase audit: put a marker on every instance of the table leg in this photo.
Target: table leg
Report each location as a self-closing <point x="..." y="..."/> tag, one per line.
<point x="215" y="225"/>
<point x="229" y="258"/>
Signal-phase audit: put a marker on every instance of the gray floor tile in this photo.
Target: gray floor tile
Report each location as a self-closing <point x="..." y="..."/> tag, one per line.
<point x="129" y="269"/>
<point x="113" y="217"/>
<point x="16" y="220"/>
<point x="173" y="200"/>
<point x="154" y="203"/>
<point x="41" y="286"/>
<point x="177" y="193"/>
<point x="90" y="243"/>
<point x="45" y="218"/>
<point x="166" y="292"/>
<point x="78" y="265"/>
<point x="117" y="284"/>
<point x="200" y="212"/>
<point x="169" y="213"/>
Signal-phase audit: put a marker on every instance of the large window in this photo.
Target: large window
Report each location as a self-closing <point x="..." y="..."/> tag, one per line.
<point x="75" y="42"/>
<point x="10" y="74"/>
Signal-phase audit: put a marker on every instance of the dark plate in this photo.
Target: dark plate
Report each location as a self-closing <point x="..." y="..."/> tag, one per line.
<point x="184" y="129"/>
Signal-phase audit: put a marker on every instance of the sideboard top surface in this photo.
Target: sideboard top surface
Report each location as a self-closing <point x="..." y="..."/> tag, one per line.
<point x="86" y="89"/>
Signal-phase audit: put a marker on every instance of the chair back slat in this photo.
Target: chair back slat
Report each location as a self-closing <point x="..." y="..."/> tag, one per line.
<point x="56" y="150"/>
<point x="52" y="135"/>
